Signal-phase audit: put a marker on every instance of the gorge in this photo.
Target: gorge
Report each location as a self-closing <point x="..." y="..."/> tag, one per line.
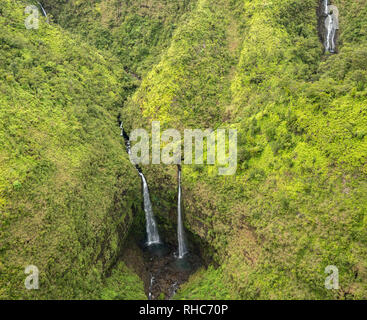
<point x="289" y="76"/>
<point x="168" y="268"/>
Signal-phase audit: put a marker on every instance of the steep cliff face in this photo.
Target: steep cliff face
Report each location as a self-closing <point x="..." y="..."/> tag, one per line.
<point x="68" y="192"/>
<point x="296" y="203"/>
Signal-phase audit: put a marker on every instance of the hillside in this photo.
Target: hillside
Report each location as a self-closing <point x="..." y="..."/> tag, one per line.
<point x="67" y="191"/>
<point x="136" y="32"/>
<point x="71" y="201"/>
<point x="296" y="204"/>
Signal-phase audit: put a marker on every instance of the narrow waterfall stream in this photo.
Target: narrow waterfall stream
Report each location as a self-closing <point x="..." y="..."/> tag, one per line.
<point x="182" y="248"/>
<point x="326" y="3"/>
<point x="43" y="11"/>
<point x="151" y="225"/>
<point x="150" y="294"/>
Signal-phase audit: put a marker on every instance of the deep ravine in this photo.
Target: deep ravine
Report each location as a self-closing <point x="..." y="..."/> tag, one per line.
<point x="167" y="265"/>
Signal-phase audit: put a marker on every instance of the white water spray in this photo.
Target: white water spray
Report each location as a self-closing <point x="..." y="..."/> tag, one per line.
<point x="182" y="249"/>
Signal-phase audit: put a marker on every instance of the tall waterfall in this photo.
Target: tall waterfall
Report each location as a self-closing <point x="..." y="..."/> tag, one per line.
<point x="151" y="225"/>
<point x="182" y="249"/>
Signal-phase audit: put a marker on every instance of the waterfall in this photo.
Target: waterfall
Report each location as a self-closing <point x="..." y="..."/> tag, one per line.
<point x="326" y="3"/>
<point x="331" y="25"/>
<point x="330" y="34"/>
<point x="43" y="11"/>
<point x="151" y="225"/>
<point x="182" y="249"/>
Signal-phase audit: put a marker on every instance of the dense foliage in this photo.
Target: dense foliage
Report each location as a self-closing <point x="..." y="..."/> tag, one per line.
<point x="135" y="31"/>
<point x="296" y="204"/>
<point x="68" y="193"/>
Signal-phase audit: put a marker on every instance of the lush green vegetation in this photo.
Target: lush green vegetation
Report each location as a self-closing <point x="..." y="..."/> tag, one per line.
<point x="135" y="31"/>
<point x="68" y="192"/>
<point x="122" y="284"/>
<point x="296" y="204"/>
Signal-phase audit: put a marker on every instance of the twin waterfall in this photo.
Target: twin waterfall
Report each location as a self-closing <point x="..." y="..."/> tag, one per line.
<point x="151" y="225"/>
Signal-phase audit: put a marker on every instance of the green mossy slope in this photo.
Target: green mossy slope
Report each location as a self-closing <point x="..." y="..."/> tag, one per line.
<point x="135" y="31"/>
<point x="296" y="204"/>
<point x="68" y="192"/>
